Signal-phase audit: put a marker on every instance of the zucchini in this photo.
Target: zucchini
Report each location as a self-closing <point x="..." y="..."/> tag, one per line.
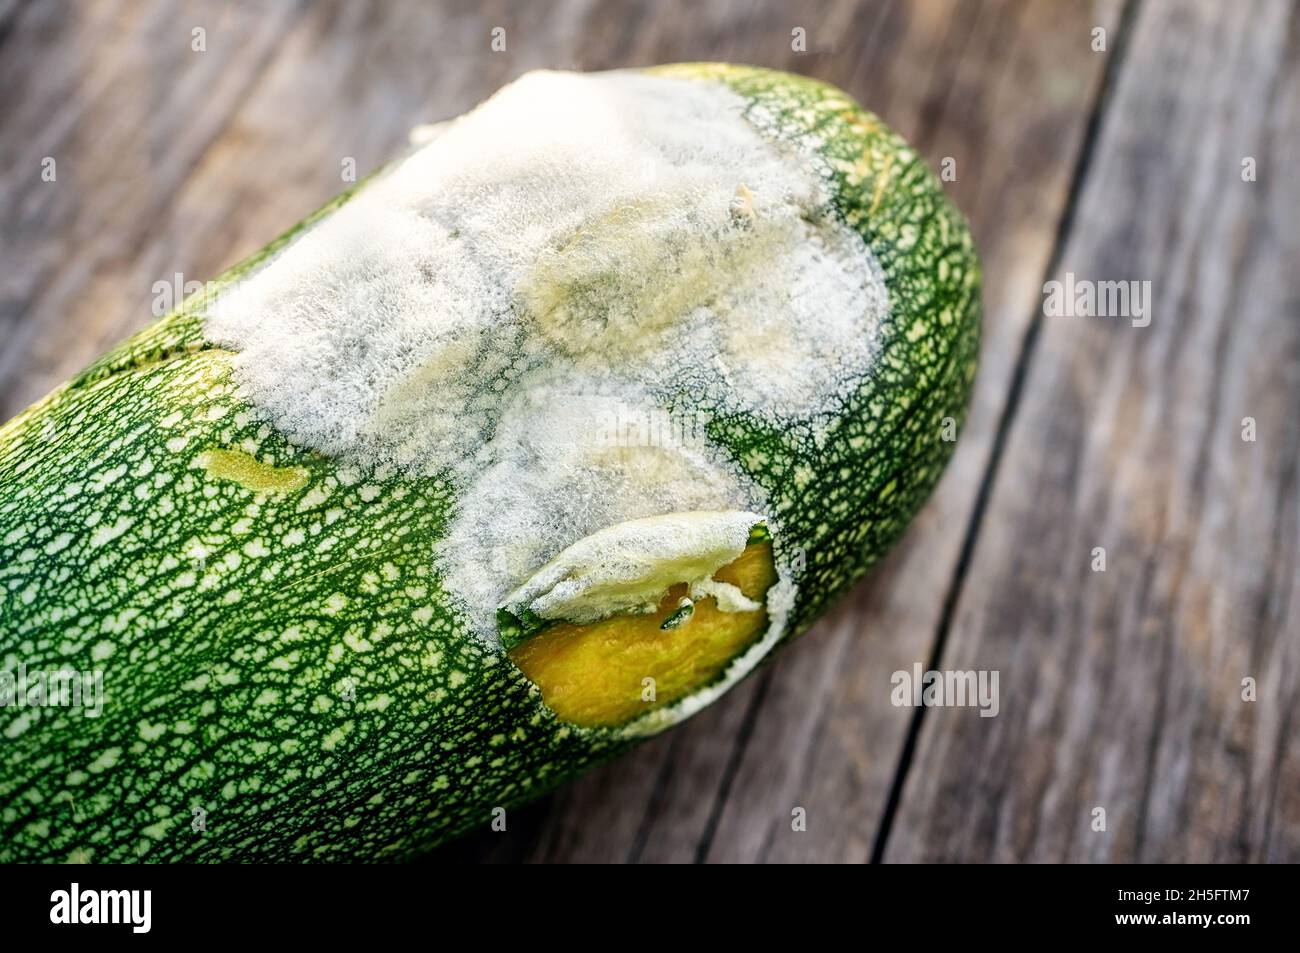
<point x="526" y="448"/>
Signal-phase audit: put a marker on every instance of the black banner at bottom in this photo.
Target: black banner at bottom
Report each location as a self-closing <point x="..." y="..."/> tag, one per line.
<point x="136" y="904"/>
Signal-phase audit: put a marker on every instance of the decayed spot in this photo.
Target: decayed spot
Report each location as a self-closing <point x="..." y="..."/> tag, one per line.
<point x="606" y="673"/>
<point x="579" y="254"/>
<point x="251" y="473"/>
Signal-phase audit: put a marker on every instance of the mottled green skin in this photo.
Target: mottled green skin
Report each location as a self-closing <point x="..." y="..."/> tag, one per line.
<point x="286" y="660"/>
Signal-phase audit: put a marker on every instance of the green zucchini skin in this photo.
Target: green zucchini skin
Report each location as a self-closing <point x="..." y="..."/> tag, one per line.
<point x="283" y="676"/>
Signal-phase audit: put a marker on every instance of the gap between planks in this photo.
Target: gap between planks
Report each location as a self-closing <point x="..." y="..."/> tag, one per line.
<point x="1083" y="163"/>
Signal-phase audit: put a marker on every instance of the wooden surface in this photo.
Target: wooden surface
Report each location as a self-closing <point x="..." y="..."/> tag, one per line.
<point x="1120" y="690"/>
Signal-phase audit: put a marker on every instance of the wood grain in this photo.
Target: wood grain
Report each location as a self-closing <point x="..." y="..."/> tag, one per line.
<point x="114" y="95"/>
<point x="1122" y="689"/>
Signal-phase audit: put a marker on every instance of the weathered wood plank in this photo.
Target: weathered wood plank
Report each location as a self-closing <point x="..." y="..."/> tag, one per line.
<point x="117" y="98"/>
<point x="1006" y="89"/>
<point x="1122" y="689"/>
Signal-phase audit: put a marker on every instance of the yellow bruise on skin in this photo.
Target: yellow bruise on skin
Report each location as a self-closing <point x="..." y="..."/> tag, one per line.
<point x="594" y="675"/>
<point x="251" y="473"/>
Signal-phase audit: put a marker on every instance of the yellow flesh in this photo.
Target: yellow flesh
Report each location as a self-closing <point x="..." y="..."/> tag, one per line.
<point x="594" y="674"/>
